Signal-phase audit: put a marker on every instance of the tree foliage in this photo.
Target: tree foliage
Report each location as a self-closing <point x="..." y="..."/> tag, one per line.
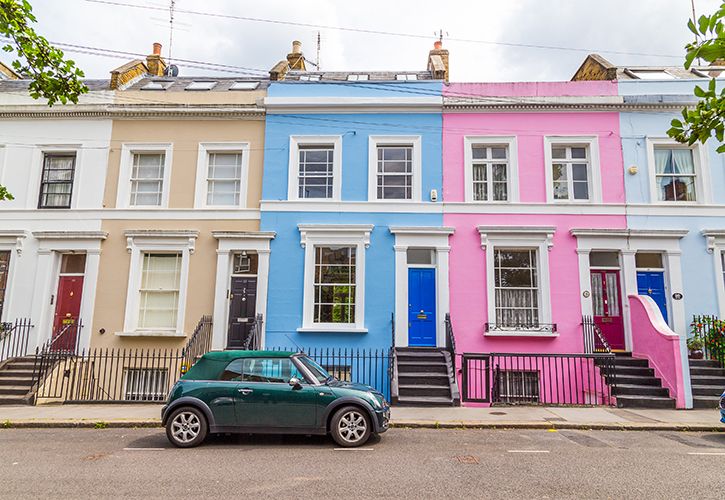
<point x="707" y="118"/>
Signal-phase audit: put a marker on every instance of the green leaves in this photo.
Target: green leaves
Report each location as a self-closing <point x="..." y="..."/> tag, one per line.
<point x="53" y="77"/>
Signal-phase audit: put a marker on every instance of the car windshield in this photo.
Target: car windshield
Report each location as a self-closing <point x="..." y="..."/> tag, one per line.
<point x="317" y="371"/>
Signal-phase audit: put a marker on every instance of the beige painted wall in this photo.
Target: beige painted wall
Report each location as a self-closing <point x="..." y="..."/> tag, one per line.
<point x="110" y="307"/>
<point x="186" y="135"/>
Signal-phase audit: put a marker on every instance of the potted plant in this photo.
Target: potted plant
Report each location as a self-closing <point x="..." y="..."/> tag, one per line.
<point x="694" y="346"/>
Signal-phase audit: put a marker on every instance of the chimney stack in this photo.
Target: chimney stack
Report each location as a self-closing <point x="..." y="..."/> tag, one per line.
<point x="155" y="63"/>
<point x="438" y="61"/>
<point x="296" y="59"/>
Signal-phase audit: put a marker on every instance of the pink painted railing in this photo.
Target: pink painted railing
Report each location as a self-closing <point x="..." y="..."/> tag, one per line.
<point x="653" y="339"/>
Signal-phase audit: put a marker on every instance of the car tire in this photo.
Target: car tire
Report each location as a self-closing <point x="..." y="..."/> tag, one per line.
<point x="187" y="427"/>
<point x="350" y="427"/>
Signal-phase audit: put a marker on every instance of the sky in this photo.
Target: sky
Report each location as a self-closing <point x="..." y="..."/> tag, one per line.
<point x="484" y="37"/>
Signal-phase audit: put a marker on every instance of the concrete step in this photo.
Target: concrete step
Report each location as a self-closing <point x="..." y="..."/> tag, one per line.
<point x="705" y="363"/>
<point x="422" y="367"/>
<point x="416" y="356"/>
<point x="13" y="400"/>
<point x="422" y="378"/>
<point x="424" y="401"/>
<point x="640" y="390"/>
<point x="707" y="390"/>
<point x="634" y="380"/>
<point x="706" y="402"/>
<point x="14" y="390"/>
<point x="626" y="361"/>
<point x="16" y="373"/>
<point x="637" y="371"/>
<point x="25" y="381"/>
<point x="709" y="371"/>
<point x="424" y="390"/>
<point x="706" y="380"/>
<point x="645" y="402"/>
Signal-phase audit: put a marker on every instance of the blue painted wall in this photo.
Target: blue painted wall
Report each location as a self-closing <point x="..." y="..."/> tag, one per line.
<point x="285" y="296"/>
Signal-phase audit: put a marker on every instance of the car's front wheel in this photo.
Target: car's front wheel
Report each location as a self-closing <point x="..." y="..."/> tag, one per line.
<point x="186" y="427"/>
<point x="350" y="427"/>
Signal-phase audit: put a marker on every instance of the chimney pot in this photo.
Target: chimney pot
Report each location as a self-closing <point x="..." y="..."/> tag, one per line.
<point x="157" y="49"/>
<point x="296" y="47"/>
<point x="438" y="45"/>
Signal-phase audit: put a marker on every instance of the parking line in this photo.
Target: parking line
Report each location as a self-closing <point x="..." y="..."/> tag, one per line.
<point x="717" y="453"/>
<point x="528" y="451"/>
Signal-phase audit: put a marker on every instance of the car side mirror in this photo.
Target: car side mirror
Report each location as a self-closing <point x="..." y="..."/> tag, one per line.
<point x="294" y="382"/>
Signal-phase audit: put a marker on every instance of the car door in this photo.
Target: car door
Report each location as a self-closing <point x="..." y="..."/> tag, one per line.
<point x="268" y="401"/>
<point x="221" y="395"/>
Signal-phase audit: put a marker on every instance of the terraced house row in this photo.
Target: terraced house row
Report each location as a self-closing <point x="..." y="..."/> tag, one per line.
<point x="477" y="242"/>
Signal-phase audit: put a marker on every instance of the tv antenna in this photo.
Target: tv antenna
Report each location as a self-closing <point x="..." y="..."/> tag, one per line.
<point x="172" y="6"/>
<point x="440" y="34"/>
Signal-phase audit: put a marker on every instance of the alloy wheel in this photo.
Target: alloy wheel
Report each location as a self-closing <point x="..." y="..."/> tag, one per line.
<point x="185" y="427"/>
<point x="352" y="426"/>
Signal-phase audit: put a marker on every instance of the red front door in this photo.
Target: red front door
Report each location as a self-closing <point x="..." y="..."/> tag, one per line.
<point x="607" y="306"/>
<point x="67" y="310"/>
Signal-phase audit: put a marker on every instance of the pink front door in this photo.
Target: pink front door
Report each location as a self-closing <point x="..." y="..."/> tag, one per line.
<point x="607" y="306"/>
<point x="67" y="310"/>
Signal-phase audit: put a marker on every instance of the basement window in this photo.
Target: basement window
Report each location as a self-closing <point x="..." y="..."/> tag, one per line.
<point x="144" y="384"/>
<point x="357" y="78"/>
<point x="244" y="86"/>
<point x="200" y="86"/>
<point x="405" y="76"/>
<point x="157" y="86"/>
<point x="515" y="386"/>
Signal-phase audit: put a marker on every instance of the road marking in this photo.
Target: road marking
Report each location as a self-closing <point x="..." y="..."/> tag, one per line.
<point x="144" y="449"/>
<point x="528" y="451"/>
<point x="719" y="453"/>
<point x="353" y="449"/>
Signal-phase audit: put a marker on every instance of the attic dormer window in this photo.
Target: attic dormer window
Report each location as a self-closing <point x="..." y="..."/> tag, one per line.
<point x="651" y="74"/>
<point x="206" y="85"/>
<point x="157" y="86"/>
<point x="405" y="76"/>
<point x="310" y="78"/>
<point x="244" y="86"/>
<point x="357" y="78"/>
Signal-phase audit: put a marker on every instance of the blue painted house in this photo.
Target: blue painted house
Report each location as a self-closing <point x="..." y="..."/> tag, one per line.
<point x="352" y="188"/>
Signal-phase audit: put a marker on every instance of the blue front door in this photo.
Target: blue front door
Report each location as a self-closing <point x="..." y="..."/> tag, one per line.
<point x="652" y="283"/>
<point x="421" y="307"/>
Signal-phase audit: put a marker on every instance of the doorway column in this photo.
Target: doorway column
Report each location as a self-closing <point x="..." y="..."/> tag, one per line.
<point x="401" y="296"/>
<point x="219" y="327"/>
<point x="629" y="287"/>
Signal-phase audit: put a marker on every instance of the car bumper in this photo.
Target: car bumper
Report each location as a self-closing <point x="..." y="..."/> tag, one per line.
<point x="383" y="419"/>
<point x="163" y="414"/>
<point x="722" y="416"/>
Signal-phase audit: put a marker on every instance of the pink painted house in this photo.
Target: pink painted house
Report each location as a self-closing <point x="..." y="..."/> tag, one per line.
<point x="533" y="186"/>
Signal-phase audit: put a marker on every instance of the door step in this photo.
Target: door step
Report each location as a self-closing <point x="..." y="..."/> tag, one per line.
<point x="425" y="401"/>
<point x="424" y="377"/>
<point x="708" y="380"/>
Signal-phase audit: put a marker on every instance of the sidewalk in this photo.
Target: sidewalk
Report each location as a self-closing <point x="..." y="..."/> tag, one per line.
<point x="528" y="417"/>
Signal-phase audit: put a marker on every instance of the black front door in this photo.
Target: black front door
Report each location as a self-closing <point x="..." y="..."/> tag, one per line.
<point x="242" y="308"/>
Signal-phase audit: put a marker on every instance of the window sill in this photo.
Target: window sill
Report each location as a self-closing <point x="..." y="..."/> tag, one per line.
<point x="152" y="333"/>
<point x="521" y="333"/>
<point x="331" y="329"/>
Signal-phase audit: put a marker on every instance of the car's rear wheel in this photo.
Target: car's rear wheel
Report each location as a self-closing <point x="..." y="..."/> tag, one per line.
<point x="186" y="427"/>
<point x="350" y="427"/>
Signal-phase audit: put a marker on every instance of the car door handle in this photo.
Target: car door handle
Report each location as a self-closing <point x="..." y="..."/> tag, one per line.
<point x="245" y="391"/>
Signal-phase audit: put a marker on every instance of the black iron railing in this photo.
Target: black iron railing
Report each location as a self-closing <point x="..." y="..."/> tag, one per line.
<point x="361" y="366"/>
<point x="199" y="343"/>
<point x="540" y="379"/>
<point x="65" y="339"/>
<point x="594" y="341"/>
<point x="254" y="339"/>
<point x="450" y="341"/>
<point x="708" y="335"/>
<point x="532" y="327"/>
<point x="393" y="368"/>
<point x="14" y="338"/>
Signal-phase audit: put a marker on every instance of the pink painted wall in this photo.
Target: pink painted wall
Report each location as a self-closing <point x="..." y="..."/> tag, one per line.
<point x="654" y="340"/>
<point x="531" y="89"/>
<point x="467" y="259"/>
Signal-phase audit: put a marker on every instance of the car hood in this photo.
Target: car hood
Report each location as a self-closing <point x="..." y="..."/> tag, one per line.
<point x="336" y="384"/>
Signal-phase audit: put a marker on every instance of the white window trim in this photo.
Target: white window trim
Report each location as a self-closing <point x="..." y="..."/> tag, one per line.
<point x="202" y="172"/>
<point x="512" y="175"/>
<point x="313" y="235"/>
<point x="380" y="140"/>
<point x="293" y="169"/>
<point x="123" y="197"/>
<point x="162" y="241"/>
<point x="38" y="161"/>
<point x="525" y="237"/>
<point x="594" y="173"/>
<point x="703" y="190"/>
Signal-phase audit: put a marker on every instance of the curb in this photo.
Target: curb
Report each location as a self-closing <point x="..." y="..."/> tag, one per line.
<point x="400" y="424"/>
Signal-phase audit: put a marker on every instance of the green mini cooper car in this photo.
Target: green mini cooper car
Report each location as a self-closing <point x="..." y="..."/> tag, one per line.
<point x="270" y="392"/>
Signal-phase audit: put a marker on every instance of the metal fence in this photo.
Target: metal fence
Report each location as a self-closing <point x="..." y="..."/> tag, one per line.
<point x="14" y="338"/>
<point x="594" y="341"/>
<point x="538" y="379"/>
<point x="708" y="334"/>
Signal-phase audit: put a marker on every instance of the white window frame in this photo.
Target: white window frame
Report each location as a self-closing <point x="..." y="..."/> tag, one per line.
<point x="379" y="140"/>
<point x="321" y="235"/>
<point x="202" y="172"/>
<point x="594" y="173"/>
<point x="123" y="197"/>
<point x="703" y="191"/>
<point x="293" y="169"/>
<point x="512" y="174"/>
<point x="524" y="238"/>
<point x="139" y="243"/>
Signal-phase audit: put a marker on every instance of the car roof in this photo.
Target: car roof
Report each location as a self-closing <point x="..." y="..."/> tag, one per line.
<point x="231" y="355"/>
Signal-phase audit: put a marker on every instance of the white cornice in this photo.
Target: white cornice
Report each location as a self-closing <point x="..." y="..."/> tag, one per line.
<point x="421" y="230"/>
<point x="186" y="236"/>
<point x="117" y="111"/>
<point x="545" y="233"/>
<point x="635" y="233"/>
<point x="16" y="238"/>
<point x="70" y="235"/>
<point x="244" y="235"/>
<point x="335" y="231"/>
<point x="426" y="104"/>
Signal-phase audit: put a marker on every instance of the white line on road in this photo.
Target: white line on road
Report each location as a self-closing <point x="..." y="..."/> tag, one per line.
<point x="720" y="453"/>
<point x="144" y="449"/>
<point x="354" y="449"/>
<point x="528" y="451"/>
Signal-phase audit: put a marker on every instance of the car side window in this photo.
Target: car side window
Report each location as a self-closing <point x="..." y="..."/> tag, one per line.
<point x="233" y="371"/>
<point x="271" y="370"/>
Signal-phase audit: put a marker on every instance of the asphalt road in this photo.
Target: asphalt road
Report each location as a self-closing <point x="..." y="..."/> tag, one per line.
<point x="404" y="463"/>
